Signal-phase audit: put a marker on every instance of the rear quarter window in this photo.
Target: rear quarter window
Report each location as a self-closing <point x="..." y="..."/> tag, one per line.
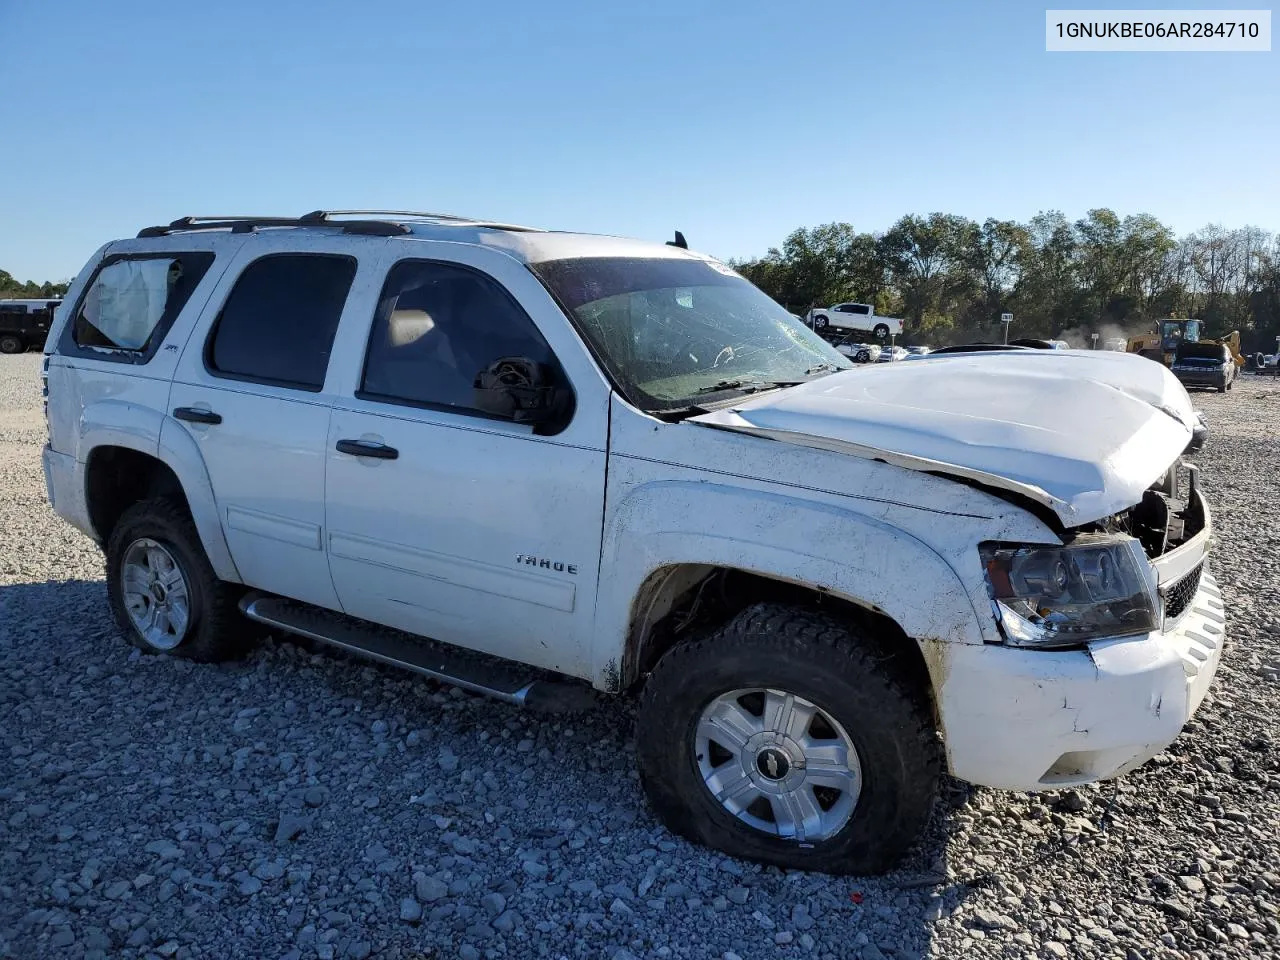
<point x="130" y="303"/>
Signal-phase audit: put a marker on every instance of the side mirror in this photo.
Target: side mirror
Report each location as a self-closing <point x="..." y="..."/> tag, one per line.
<point x="520" y="389"/>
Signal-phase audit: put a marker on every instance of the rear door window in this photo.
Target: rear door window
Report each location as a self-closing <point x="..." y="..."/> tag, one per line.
<point x="278" y="323"/>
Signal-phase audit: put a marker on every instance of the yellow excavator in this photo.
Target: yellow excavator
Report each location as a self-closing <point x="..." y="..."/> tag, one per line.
<point x="1162" y="344"/>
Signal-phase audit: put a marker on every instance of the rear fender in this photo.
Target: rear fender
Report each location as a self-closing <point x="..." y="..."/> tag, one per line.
<point x="118" y="423"/>
<point x="180" y="451"/>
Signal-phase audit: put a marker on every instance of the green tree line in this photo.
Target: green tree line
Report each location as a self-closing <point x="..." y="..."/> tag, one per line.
<point x="950" y="278"/>
<point x="11" y="289"/>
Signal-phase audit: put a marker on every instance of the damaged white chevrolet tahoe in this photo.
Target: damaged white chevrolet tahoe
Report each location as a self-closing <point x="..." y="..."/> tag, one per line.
<point x="517" y="460"/>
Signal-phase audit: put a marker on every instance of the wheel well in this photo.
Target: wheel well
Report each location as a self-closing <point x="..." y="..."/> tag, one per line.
<point x="117" y="477"/>
<point x="679" y="600"/>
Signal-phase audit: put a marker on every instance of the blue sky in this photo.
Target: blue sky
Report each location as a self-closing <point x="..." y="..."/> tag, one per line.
<point x="734" y="122"/>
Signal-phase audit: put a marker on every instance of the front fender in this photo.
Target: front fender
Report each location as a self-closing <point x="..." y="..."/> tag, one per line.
<point x="829" y="548"/>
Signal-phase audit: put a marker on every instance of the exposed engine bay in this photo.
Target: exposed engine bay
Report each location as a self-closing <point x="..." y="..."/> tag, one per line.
<point x="1170" y="513"/>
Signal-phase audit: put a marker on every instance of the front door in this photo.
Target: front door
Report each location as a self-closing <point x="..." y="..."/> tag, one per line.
<point x="447" y="521"/>
<point x="250" y="388"/>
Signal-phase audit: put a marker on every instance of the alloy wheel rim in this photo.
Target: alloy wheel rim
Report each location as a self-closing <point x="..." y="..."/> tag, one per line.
<point x="779" y="763"/>
<point x="156" y="596"/>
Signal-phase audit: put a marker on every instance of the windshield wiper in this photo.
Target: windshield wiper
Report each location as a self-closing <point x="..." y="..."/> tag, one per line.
<point x="820" y="368"/>
<point x="746" y="386"/>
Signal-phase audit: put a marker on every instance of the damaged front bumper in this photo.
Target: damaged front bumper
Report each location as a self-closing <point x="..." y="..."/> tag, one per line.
<point x="1033" y="719"/>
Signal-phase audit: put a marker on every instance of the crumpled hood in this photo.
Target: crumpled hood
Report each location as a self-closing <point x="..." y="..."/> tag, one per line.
<point x="1083" y="432"/>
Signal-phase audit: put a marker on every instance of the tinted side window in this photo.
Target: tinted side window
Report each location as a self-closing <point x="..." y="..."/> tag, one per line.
<point x="132" y="302"/>
<point x="280" y="318"/>
<point x="437" y="326"/>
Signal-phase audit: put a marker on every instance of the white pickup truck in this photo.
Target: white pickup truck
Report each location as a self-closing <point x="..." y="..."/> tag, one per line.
<point x="548" y="467"/>
<point x="845" y="318"/>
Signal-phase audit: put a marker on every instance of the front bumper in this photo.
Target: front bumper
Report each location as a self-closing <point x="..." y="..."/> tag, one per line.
<point x="1033" y="719"/>
<point x="1198" y="378"/>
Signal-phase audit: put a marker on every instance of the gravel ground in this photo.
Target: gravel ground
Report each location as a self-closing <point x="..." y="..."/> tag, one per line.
<point x="307" y="805"/>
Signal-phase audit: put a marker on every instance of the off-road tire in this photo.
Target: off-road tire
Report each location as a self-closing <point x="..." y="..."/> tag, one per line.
<point x="216" y="630"/>
<point x="11" y="344"/>
<point x="830" y="663"/>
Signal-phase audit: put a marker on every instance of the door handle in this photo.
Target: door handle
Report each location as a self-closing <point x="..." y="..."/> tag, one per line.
<point x="196" y="415"/>
<point x="367" y="448"/>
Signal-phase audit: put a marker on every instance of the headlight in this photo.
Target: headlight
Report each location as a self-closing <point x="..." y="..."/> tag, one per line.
<point x="1097" y="586"/>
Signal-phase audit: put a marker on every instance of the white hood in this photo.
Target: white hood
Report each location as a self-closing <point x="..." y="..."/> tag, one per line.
<point x="1083" y="432"/>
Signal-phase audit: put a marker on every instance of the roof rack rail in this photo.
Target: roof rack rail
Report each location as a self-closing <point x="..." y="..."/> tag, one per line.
<point x="423" y="215"/>
<point x="376" y="228"/>
<point x="376" y="223"/>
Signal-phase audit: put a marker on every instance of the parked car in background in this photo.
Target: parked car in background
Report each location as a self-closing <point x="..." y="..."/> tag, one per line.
<point x="1204" y="365"/>
<point x="25" y="323"/>
<point x="843" y="318"/>
<point x="892" y="354"/>
<point x="914" y="353"/>
<point x="860" y="352"/>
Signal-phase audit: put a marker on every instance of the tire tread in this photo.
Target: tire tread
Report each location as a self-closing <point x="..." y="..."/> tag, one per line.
<point x="217" y="631"/>
<point x="810" y="636"/>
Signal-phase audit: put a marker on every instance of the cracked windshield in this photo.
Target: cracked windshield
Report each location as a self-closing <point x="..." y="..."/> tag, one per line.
<point x="679" y="333"/>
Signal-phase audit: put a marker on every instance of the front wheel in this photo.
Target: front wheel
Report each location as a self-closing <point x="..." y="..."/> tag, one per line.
<point x="787" y="738"/>
<point x="11" y="344"/>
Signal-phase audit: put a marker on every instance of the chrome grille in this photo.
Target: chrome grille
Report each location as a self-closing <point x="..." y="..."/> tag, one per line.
<point x="1179" y="594"/>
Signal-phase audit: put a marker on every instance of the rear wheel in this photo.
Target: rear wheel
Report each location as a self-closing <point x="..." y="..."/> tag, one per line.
<point x="11" y="344"/>
<point x="786" y="738"/>
<point x="162" y="590"/>
<point x="882" y="331"/>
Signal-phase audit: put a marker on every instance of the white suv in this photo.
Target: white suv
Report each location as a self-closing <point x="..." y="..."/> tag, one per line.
<point x="579" y="462"/>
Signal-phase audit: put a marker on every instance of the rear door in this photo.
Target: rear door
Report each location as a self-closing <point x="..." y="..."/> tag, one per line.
<point x="251" y="388"/>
